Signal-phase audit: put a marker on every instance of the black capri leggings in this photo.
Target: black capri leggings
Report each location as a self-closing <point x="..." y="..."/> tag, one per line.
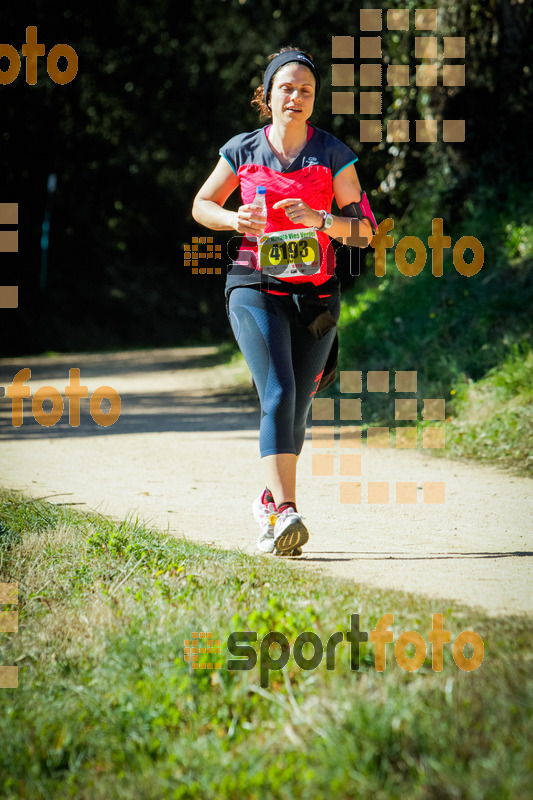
<point x="285" y="360"/>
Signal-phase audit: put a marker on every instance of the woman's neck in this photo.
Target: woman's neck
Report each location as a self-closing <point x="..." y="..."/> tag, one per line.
<point x="288" y="140"/>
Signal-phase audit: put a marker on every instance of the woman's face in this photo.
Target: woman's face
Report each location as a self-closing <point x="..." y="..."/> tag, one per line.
<point x="293" y="93"/>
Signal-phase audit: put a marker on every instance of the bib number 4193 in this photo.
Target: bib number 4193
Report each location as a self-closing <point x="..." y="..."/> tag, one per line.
<point x="287" y="253"/>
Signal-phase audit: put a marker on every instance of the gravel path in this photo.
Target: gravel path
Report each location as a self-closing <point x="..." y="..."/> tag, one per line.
<point x="184" y="456"/>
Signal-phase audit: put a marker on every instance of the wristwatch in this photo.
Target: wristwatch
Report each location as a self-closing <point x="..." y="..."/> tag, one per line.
<point x="327" y="221"/>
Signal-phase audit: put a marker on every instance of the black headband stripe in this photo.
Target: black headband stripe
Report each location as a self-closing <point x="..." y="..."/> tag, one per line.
<point x="287" y="58"/>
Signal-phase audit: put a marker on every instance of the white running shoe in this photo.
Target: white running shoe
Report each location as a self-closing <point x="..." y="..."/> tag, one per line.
<point x="289" y="532"/>
<point x="265" y="516"/>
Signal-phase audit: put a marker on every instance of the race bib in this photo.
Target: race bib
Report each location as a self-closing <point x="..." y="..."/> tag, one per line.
<point x="287" y="253"/>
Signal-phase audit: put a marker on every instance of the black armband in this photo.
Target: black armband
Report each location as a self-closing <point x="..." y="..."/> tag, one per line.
<point x="360" y="210"/>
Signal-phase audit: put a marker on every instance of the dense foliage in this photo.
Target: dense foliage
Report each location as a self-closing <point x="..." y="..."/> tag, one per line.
<point x="160" y="87"/>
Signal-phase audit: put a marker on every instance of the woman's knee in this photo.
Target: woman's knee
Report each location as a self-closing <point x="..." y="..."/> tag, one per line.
<point x="280" y="401"/>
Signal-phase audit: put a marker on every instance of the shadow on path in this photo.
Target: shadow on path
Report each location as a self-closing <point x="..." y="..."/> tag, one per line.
<point x="193" y="409"/>
<point x="365" y="556"/>
<point x="176" y="412"/>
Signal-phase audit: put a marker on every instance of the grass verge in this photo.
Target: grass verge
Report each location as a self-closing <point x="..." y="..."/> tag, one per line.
<point x="494" y="416"/>
<point x="107" y="707"/>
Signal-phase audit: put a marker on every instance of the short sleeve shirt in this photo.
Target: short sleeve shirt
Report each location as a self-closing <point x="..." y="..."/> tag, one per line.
<point x="309" y="177"/>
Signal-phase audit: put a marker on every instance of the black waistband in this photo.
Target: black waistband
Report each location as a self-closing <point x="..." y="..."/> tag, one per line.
<point x="312" y="311"/>
<point x="254" y="278"/>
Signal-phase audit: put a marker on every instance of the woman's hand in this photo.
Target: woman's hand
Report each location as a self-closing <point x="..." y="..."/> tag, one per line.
<point x="249" y="220"/>
<point x="300" y="213"/>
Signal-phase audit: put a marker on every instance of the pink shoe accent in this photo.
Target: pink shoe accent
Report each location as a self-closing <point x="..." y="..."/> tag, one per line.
<point x="264" y="502"/>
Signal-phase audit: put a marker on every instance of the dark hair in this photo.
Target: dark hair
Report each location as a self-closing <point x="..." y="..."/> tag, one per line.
<point x="259" y="101"/>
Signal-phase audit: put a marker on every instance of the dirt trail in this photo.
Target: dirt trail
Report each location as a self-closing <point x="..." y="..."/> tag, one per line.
<point x="184" y="456"/>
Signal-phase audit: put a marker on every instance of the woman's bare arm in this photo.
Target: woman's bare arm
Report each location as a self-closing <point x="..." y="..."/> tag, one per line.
<point x="208" y="204"/>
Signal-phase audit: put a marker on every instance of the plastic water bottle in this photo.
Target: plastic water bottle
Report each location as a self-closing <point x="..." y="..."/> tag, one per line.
<point x="259" y="203"/>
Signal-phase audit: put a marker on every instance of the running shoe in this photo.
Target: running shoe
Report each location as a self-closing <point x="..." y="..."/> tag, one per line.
<point x="289" y="532"/>
<point x="266" y="516"/>
<point x="297" y="551"/>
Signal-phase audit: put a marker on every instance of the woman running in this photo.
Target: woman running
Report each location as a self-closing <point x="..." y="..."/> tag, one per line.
<point x="282" y="295"/>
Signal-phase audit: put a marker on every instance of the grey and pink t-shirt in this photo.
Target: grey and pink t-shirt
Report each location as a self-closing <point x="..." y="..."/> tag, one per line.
<point x="309" y="177"/>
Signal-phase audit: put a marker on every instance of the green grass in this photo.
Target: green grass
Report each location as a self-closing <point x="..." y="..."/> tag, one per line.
<point x="494" y="416"/>
<point x="107" y="707"/>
